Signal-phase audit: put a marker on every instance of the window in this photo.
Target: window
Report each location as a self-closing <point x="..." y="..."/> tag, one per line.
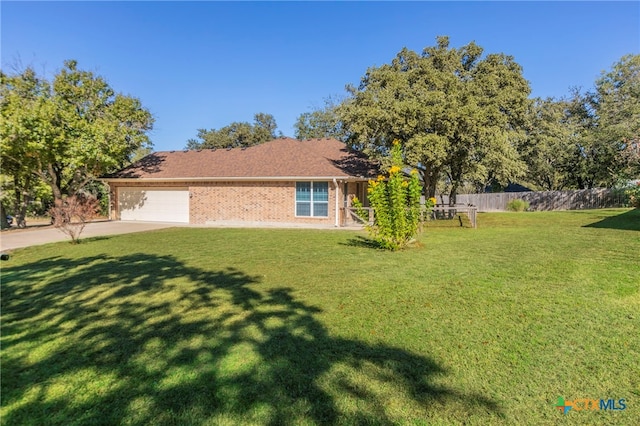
<point x="312" y="199"/>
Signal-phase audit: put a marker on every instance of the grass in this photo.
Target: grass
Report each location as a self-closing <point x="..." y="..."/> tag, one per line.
<point x="238" y="326"/>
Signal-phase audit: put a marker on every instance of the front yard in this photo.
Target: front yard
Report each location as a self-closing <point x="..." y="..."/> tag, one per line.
<point x="239" y="326"/>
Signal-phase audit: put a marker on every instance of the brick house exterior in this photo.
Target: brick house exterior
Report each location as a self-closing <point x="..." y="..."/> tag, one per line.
<point x="281" y="181"/>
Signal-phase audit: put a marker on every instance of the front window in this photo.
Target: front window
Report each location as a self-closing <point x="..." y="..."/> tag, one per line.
<point x="312" y="199"/>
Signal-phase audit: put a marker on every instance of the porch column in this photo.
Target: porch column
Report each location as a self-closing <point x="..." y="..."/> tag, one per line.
<point x="337" y="206"/>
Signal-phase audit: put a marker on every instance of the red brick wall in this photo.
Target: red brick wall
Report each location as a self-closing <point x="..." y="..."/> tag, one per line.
<point x="251" y="202"/>
<point x="212" y="202"/>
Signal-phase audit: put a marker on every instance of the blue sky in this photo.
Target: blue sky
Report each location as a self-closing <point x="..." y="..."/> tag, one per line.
<point x="206" y="64"/>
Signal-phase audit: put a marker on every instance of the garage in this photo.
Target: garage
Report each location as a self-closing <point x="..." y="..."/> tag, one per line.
<point x="154" y="204"/>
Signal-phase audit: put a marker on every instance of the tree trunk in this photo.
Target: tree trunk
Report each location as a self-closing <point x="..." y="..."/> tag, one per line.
<point x="430" y="181"/>
<point x="54" y="183"/>
<point x="22" y="211"/>
<point x="456" y="181"/>
<point x="453" y="193"/>
<point x="22" y="202"/>
<point x="4" y="224"/>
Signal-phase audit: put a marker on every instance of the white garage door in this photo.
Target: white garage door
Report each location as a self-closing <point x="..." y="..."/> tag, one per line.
<point x="154" y="204"/>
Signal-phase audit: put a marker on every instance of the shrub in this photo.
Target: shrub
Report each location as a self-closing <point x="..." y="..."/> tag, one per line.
<point x="517" y="205"/>
<point x="396" y="205"/>
<point x="633" y="195"/>
<point x="71" y="214"/>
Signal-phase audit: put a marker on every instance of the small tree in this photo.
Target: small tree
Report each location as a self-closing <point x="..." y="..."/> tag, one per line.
<point x="396" y="205"/>
<point x="71" y="214"/>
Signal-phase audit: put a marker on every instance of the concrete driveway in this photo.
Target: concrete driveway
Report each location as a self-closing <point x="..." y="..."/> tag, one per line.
<point x="16" y="238"/>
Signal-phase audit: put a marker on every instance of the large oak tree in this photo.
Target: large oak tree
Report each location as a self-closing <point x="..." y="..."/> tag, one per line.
<point x="457" y="113"/>
<point x="66" y="132"/>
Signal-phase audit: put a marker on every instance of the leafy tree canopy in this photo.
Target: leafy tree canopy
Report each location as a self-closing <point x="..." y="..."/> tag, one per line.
<point x="589" y="139"/>
<point x="237" y="134"/>
<point x="321" y="122"/>
<point x="68" y="131"/>
<point x="553" y="133"/>
<point x="614" y="110"/>
<point x="458" y="114"/>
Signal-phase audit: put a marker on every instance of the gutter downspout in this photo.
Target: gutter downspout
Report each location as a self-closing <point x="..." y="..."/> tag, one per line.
<point x="335" y="182"/>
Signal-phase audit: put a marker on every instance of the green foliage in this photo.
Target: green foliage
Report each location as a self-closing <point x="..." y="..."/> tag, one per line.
<point x="237" y="134"/>
<point x="458" y="114"/>
<point x="551" y="139"/>
<point x="40" y="200"/>
<point x="396" y="205"/>
<point x="27" y="122"/>
<point x="100" y="191"/>
<point x="617" y="99"/>
<point x="617" y="107"/>
<point x="320" y="123"/>
<point x="589" y="139"/>
<point x="633" y="195"/>
<point x="598" y="158"/>
<point x="66" y="132"/>
<point x="517" y="205"/>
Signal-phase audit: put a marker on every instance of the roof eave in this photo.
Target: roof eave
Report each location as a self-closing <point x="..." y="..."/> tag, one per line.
<point x="235" y="178"/>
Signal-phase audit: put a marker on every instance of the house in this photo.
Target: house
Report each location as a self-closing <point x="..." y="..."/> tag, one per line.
<point x="282" y="181"/>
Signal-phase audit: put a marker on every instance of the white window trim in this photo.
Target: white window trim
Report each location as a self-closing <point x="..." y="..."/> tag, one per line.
<point x="311" y="201"/>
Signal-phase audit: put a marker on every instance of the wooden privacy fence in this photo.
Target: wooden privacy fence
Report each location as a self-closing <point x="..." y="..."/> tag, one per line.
<point x="596" y="198"/>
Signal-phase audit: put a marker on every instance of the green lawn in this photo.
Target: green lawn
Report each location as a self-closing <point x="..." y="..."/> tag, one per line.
<point x="238" y="326"/>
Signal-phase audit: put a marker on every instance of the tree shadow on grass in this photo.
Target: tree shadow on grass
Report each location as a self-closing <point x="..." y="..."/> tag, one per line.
<point x="625" y="221"/>
<point x="143" y="339"/>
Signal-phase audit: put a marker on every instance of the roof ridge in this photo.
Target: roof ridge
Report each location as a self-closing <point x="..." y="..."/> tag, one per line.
<point x="278" y="157"/>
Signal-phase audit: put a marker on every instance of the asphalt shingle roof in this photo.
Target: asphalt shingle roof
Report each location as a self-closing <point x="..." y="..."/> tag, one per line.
<point x="285" y="157"/>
